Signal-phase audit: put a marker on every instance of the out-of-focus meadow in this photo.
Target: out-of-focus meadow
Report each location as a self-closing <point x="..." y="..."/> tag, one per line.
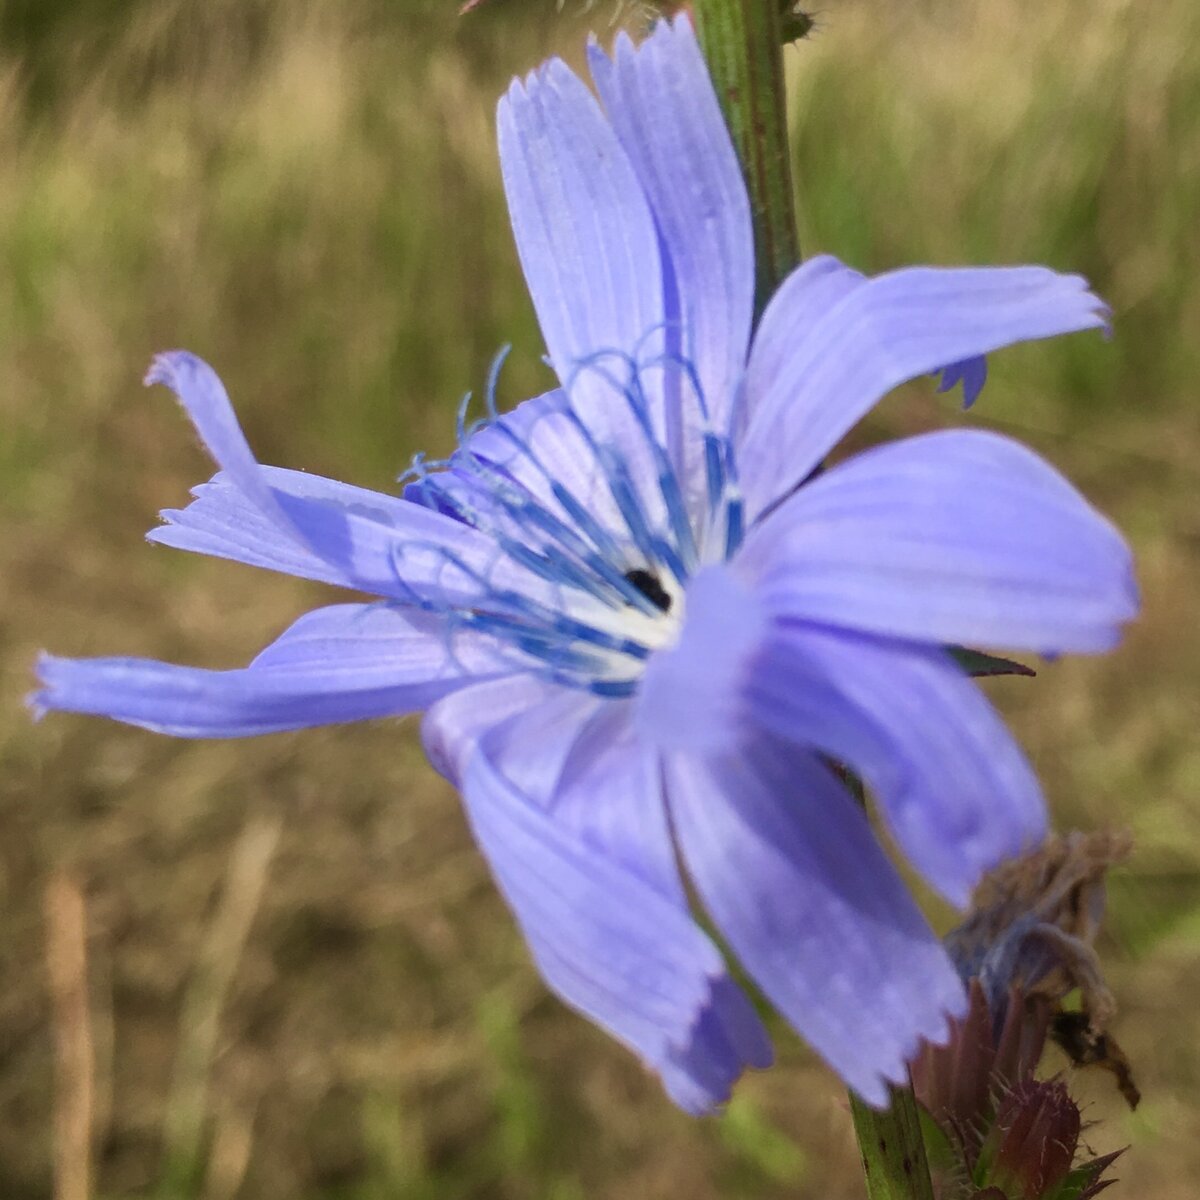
<point x="301" y="983"/>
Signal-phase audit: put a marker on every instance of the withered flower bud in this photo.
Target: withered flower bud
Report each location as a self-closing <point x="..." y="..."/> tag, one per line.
<point x="1026" y="944"/>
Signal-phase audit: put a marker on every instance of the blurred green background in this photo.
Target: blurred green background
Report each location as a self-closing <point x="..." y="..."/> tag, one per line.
<point x="301" y="983"/>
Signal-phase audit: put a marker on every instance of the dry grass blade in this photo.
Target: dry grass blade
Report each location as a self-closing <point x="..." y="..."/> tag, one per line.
<point x="232" y="1146"/>
<point x="199" y="1025"/>
<point x="66" y="963"/>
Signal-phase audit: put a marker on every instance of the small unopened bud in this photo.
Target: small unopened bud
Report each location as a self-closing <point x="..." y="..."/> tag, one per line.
<point x="1029" y="1154"/>
<point x="1031" y="1147"/>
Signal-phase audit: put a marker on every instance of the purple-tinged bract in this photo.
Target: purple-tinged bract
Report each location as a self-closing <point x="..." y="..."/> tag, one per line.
<point x="638" y="641"/>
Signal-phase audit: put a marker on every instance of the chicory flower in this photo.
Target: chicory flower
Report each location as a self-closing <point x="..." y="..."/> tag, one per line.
<point x="641" y="627"/>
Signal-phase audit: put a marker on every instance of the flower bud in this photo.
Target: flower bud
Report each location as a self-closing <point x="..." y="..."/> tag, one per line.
<point x="1031" y="1147"/>
<point x="1027" y="942"/>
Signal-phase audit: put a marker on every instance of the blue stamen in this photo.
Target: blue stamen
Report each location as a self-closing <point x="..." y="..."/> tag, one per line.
<point x="493" y="379"/>
<point x="445" y="499"/>
<point x="714" y="470"/>
<point x="596" y="533"/>
<point x="624" y="494"/>
<point x="552" y="565"/>
<point x="681" y="527"/>
<point x="460" y="420"/>
<point x="667" y="476"/>
<point x="558" y="539"/>
<point x="577" y="631"/>
<point x="734" y="525"/>
<point x="670" y="358"/>
<point x="665" y="553"/>
<point x="541" y="644"/>
<point x="530" y="626"/>
<point x="613" y="688"/>
<point x="590" y="528"/>
<point x="576" y="557"/>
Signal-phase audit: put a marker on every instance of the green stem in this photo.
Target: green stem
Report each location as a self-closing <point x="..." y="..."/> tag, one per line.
<point x="743" y="43"/>
<point x="893" y="1151"/>
<point x="894" y="1161"/>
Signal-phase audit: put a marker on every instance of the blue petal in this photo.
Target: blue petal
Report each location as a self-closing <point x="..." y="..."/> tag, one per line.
<point x="728" y="1037"/>
<point x="452" y="729"/>
<point x="588" y="246"/>
<point x="536" y="431"/>
<point x="537" y="446"/>
<point x="583" y="227"/>
<point x="314" y="527"/>
<point x="957" y="790"/>
<point x="567" y="807"/>
<point x="821" y="376"/>
<point x="971" y="373"/>
<point x="956" y="537"/>
<point x="224" y="522"/>
<point x="661" y="102"/>
<point x="501" y="441"/>
<point x="805" y="297"/>
<point x="691" y="693"/>
<point x="352" y="537"/>
<point x="347" y="662"/>
<point x="957" y="793"/>
<point x="792" y="876"/>
<point x="206" y="403"/>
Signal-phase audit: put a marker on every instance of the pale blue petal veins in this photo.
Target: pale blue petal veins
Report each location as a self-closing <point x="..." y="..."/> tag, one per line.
<point x="205" y="401"/>
<point x="567" y="807"/>
<point x="690" y="173"/>
<point x="790" y="872"/>
<point x="318" y="528"/>
<point x="536" y="453"/>
<point x="451" y="729"/>
<point x="960" y="537"/>
<point x="802" y="301"/>
<point x="587" y="243"/>
<point x="955" y="789"/>
<point x="221" y="522"/>
<point x="823" y="375"/>
<point x="348" y="662"/>
<point x="351" y="536"/>
<point x="348" y="536"/>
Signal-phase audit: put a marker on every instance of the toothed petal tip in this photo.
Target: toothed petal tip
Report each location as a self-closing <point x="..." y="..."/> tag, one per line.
<point x="165" y="367"/>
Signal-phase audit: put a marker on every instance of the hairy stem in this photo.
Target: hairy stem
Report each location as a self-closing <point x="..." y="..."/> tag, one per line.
<point x="893" y="1151"/>
<point x="743" y="43"/>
